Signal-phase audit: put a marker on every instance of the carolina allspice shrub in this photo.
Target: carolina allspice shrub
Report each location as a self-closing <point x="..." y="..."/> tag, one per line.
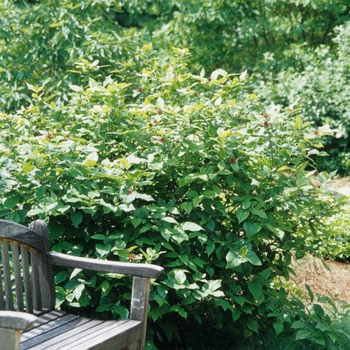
<point x="188" y="171"/>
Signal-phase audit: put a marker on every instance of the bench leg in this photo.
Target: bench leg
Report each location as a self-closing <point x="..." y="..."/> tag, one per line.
<point x="10" y="339"/>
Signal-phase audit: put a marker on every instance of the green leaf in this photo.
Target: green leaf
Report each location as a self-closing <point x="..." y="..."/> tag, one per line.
<point x="121" y="311"/>
<point x="12" y="201"/>
<point x="278" y="326"/>
<point x="103" y="250"/>
<point x="61" y="277"/>
<point x="302" y="334"/>
<point x="258" y="213"/>
<point x="191" y="226"/>
<point x="209" y="194"/>
<point x="233" y="259"/>
<point x="187" y="207"/>
<point x="311" y="294"/>
<point x="180" y="276"/>
<point x="242" y="215"/>
<point x="35" y="211"/>
<point x="76" y="218"/>
<point x="318" y="310"/>
<point x="256" y="289"/>
<point x="78" y="291"/>
<point x="298" y="325"/>
<point x="169" y="219"/>
<point x="251" y="228"/>
<point x="253" y="258"/>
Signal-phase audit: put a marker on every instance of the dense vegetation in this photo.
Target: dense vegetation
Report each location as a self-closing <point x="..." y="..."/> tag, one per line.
<point x="136" y="142"/>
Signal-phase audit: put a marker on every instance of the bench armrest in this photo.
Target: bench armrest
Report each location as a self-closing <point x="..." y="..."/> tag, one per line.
<point x="133" y="269"/>
<point x="16" y="320"/>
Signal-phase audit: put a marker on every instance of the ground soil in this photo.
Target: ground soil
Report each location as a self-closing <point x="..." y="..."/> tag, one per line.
<point x="334" y="281"/>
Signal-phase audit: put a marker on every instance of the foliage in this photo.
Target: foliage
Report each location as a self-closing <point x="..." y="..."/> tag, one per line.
<point x="294" y="50"/>
<point x="189" y="171"/>
<point x="336" y="243"/>
<point x="322" y="88"/>
<point x="49" y="43"/>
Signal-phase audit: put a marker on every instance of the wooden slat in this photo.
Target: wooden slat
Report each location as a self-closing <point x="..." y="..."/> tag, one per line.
<point x="94" y="332"/>
<point x="47" y="288"/>
<point x="18" y="277"/>
<point x="7" y="275"/>
<point x="58" y="339"/>
<point x="115" y="338"/>
<point x="48" y="317"/>
<point x="26" y="278"/>
<point x="35" y="281"/>
<point x="133" y="269"/>
<point x="69" y="330"/>
<point x="47" y="331"/>
<point x="2" y="306"/>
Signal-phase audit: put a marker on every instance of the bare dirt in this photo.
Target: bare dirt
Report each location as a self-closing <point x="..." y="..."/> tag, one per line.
<point x="333" y="282"/>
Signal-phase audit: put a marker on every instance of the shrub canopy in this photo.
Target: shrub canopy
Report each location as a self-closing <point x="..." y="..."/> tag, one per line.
<point x="187" y="170"/>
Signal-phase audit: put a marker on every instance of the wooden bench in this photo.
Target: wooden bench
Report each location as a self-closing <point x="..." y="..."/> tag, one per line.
<point x="27" y="294"/>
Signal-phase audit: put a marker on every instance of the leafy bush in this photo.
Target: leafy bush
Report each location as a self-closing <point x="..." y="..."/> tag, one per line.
<point x="48" y="43"/>
<point x="322" y="89"/>
<point x="189" y="171"/>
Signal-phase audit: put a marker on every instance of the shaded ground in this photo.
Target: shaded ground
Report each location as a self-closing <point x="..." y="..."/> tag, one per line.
<point x="334" y="282"/>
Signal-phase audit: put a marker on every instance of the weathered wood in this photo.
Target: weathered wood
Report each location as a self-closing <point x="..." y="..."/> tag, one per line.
<point x="110" y="337"/>
<point x="35" y="281"/>
<point x="2" y="305"/>
<point x="7" y="275"/>
<point x="141" y="270"/>
<point x="21" y="234"/>
<point x="11" y="325"/>
<point x="51" y="329"/>
<point x="82" y="333"/>
<point x="32" y="266"/>
<point x="10" y="338"/>
<point x="46" y="280"/>
<point x="18" y="277"/>
<point x="16" y="320"/>
<point x="139" y="303"/>
<point x="26" y="278"/>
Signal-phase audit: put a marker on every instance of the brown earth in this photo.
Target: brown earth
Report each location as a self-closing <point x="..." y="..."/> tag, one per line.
<point x="333" y="282"/>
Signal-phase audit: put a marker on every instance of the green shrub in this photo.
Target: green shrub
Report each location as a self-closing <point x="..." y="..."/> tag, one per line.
<point x="48" y="43"/>
<point x="189" y="171"/>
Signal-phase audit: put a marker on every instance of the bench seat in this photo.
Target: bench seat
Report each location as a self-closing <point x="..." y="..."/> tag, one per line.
<point x="58" y="330"/>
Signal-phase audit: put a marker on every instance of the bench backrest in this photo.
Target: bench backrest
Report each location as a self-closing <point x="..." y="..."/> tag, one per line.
<point x="26" y="280"/>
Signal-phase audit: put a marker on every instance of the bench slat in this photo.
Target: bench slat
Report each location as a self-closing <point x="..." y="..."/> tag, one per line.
<point x="2" y="306"/>
<point x="18" y="277"/>
<point x="26" y="278"/>
<point x="46" y="329"/>
<point x="69" y="331"/>
<point x="35" y="281"/>
<point x="7" y="275"/>
<point x="117" y="333"/>
<point x="48" y="317"/>
<point x="116" y="338"/>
